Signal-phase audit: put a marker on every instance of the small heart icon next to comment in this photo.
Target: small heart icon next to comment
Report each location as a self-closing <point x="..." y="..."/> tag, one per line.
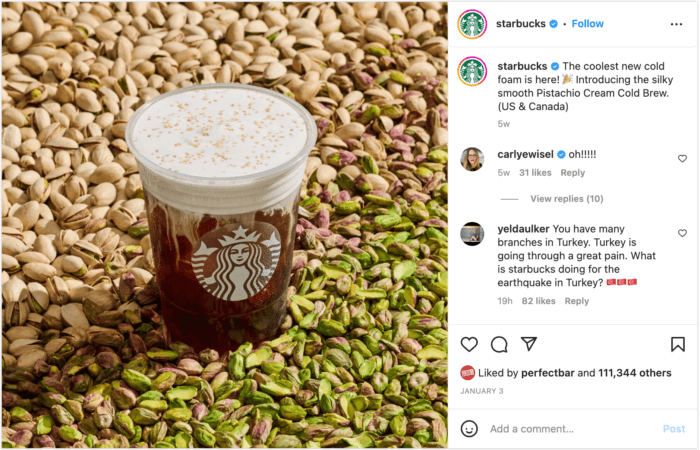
<point x="469" y="343"/>
<point x="682" y="158"/>
<point x="682" y="232"/>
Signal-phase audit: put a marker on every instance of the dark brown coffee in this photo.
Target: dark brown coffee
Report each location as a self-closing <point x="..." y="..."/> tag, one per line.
<point x="222" y="279"/>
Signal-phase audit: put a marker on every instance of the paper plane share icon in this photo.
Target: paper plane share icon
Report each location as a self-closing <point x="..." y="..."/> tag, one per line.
<point x="529" y="342"/>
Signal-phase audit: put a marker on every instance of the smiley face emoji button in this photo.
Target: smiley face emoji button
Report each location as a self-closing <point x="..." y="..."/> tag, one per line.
<point x="469" y="428"/>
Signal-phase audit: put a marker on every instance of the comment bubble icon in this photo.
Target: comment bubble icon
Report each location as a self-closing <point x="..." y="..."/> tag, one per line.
<point x="499" y="344"/>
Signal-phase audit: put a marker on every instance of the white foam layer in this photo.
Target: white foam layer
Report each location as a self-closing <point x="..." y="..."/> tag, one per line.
<point x="221" y="149"/>
<point x="220" y="132"/>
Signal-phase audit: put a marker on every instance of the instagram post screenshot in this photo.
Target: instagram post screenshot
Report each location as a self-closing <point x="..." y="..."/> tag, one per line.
<point x="225" y="224"/>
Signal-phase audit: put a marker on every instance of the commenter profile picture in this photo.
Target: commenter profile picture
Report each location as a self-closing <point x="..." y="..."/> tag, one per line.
<point x="472" y="24"/>
<point x="472" y="159"/>
<point x="472" y="71"/>
<point x="472" y="234"/>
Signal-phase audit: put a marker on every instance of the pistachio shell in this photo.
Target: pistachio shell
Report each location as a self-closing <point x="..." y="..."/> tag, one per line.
<point x="28" y="214"/>
<point x="73" y="316"/>
<point x="87" y="100"/>
<point x="28" y="257"/>
<point x="74" y="216"/>
<point x="38" y="271"/>
<point x="28" y="359"/>
<point x="14" y="290"/>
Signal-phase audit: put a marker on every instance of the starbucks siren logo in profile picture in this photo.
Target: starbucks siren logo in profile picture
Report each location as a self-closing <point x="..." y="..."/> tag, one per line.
<point x="472" y="71"/>
<point x="472" y="24"/>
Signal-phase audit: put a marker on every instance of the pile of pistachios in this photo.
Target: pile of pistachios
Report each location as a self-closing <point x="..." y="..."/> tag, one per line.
<point x="361" y="359"/>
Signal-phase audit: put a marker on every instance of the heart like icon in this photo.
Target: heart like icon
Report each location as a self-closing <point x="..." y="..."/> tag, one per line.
<point x="682" y="232"/>
<point x="469" y="343"/>
<point x="682" y="158"/>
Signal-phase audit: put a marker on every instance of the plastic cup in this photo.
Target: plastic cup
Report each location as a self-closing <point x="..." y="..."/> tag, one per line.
<point x="222" y="245"/>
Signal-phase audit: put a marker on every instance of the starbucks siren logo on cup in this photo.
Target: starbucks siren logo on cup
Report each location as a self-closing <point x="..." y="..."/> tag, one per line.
<point x="472" y="24"/>
<point x="472" y="71"/>
<point x="235" y="264"/>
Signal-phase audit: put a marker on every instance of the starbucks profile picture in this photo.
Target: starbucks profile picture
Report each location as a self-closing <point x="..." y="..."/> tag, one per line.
<point x="472" y="71"/>
<point x="472" y="24"/>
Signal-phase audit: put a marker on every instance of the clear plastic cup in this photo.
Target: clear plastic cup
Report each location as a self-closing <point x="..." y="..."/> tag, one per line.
<point x="222" y="245"/>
